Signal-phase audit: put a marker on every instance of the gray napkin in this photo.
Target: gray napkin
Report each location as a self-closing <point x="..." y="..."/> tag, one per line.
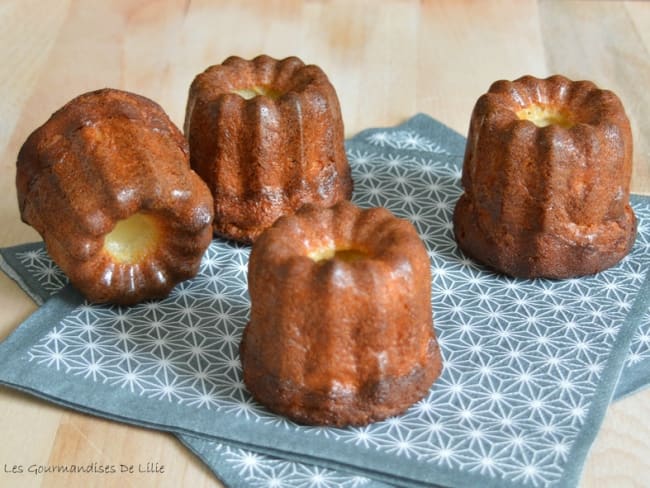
<point x="530" y="366"/>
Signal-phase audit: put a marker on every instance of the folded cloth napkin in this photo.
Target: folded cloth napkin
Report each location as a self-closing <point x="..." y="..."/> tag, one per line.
<point x="31" y="267"/>
<point x="530" y="365"/>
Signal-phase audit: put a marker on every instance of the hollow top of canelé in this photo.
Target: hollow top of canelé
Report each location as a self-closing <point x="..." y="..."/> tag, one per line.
<point x="555" y="101"/>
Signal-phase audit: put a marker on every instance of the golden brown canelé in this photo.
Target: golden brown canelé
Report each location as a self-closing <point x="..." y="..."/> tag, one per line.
<point x="341" y="330"/>
<point x="267" y="136"/>
<point x="106" y="181"/>
<point x="546" y="176"/>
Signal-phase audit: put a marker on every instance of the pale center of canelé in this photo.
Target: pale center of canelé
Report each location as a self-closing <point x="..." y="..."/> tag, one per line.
<point x="542" y="115"/>
<point x="132" y="238"/>
<point x="255" y="91"/>
<point x="344" y="254"/>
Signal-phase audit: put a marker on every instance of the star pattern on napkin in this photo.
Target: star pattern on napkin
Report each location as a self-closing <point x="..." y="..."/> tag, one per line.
<point x="522" y="358"/>
<point x="260" y="471"/>
<point x="39" y="265"/>
<point x="405" y="139"/>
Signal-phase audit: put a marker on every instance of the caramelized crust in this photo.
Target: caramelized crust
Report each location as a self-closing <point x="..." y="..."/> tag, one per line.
<point x="113" y="161"/>
<point x="546" y="177"/>
<point x="343" y="339"/>
<point x="267" y="136"/>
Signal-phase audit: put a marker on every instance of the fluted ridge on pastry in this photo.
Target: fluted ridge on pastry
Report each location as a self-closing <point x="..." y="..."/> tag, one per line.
<point x="266" y="156"/>
<point x="103" y="157"/>
<point x="549" y="200"/>
<point x="336" y="340"/>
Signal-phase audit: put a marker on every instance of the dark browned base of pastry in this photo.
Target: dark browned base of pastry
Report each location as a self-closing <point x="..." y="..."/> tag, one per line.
<point x="245" y="219"/>
<point x="539" y="255"/>
<point x="376" y="401"/>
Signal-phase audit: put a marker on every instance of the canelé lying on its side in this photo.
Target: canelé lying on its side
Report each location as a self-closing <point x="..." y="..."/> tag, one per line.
<point x="106" y="181"/>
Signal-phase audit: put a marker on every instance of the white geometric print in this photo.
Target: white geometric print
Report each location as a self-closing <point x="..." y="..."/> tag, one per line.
<point x="522" y="358"/>
<point x="405" y="139"/>
<point x="260" y="471"/>
<point x="41" y="267"/>
<point x="640" y="347"/>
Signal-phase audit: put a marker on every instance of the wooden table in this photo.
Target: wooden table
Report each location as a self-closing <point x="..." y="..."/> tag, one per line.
<point x="387" y="60"/>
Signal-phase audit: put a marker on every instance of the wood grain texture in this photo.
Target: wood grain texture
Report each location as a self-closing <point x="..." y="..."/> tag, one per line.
<point x="387" y="60"/>
<point x="621" y="64"/>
